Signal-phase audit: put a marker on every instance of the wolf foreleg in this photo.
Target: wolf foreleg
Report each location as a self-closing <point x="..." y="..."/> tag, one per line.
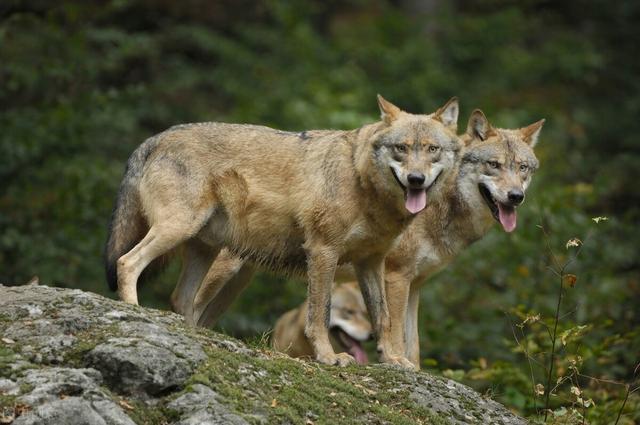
<point x="397" y="291"/>
<point x="321" y="267"/>
<point x="412" y="338"/>
<point x="370" y="277"/>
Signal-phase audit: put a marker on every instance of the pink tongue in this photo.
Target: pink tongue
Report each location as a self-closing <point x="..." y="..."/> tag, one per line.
<point x="416" y="200"/>
<point x="507" y="216"/>
<point x="358" y="352"/>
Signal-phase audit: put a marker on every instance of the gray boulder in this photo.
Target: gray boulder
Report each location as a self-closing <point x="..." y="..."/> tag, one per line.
<point x="72" y="357"/>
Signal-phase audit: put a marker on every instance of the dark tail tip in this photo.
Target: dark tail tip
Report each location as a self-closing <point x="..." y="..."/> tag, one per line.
<point x="112" y="274"/>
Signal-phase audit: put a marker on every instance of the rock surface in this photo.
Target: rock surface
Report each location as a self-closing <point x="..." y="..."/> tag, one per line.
<point x="71" y="357"/>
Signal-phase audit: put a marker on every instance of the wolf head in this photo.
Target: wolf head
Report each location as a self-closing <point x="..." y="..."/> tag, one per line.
<point x="497" y="167"/>
<point x="349" y="320"/>
<point x="414" y="151"/>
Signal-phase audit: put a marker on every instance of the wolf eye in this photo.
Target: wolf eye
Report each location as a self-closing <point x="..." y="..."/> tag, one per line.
<point x="434" y="148"/>
<point x="401" y="148"/>
<point x="493" y="164"/>
<point x="523" y="167"/>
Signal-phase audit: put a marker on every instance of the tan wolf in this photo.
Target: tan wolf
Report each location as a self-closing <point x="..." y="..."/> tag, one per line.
<point x="495" y="170"/>
<point x="349" y="325"/>
<point x="287" y="201"/>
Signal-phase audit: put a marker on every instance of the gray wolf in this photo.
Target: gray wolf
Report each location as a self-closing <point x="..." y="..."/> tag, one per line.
<point x="489" y="183"/>
<point x="495" y="170"/>
<point x="286" y="201"/>
<point x="349" y="325"/>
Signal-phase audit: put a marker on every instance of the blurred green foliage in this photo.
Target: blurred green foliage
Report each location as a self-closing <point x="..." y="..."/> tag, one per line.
<point x="83" y="83"/>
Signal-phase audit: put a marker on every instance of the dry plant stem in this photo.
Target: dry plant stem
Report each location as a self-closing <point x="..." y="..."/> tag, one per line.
<point x="560" y="272"/>
<point x="628" y="393"/>
<point x="577" y="384"/>
<point x="560" y="382"/>
<point x="553" y="348"/>
<point x="624" y="402"/>
<point x="528" y="356"/>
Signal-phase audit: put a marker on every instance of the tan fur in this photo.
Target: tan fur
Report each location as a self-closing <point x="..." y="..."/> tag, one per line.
<point x="286" y="201"/>
<point x="348" y="314"/>
<point x="451" y="222"/>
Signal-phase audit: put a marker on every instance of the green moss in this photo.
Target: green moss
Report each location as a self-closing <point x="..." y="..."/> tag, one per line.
<point x="26" y="388"/>
<point x="7" y="357"/>
<point x="86" y="341"/>
<point x="6" y="402"/>
<point x="292" y="391"/>
<point x="144" y="414"/>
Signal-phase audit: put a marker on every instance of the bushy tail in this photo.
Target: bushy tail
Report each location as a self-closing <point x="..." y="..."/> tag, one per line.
<point x="126" y="229"/>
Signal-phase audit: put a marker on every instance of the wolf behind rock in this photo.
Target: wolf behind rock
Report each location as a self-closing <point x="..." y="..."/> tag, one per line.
<point x="349" y="325"/>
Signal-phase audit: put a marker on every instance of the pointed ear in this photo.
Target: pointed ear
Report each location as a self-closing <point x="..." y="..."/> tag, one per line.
<point x="479" y="127"/>
<point x="388" y="111"/>
<point x="531" y="132"/>
<point x="448" y="114"/>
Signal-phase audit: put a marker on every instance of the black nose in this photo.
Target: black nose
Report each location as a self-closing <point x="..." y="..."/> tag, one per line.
<point x="515" y="196"/>
<point x="415" y="179"/>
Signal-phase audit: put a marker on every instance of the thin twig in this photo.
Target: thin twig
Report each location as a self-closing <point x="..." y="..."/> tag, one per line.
<point x="553" y="350"/>
<point x="606" y="381"/>
<point x="544" y="325"/>
<point x="577" y="384"/>
<point x="548" y="243"/>
<point x="526" y="353"/>
<point x="624" y="402"/>
<point x="569" y="313"/>
<point x="628" y="392"/>
<point x="560" y="382"/>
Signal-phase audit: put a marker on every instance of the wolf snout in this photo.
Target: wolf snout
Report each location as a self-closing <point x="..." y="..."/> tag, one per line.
<point x="416" y="179"/>
<point x="515" y="196"/>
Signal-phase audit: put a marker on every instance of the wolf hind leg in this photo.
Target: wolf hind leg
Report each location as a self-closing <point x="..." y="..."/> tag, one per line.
<point x="197" y="258"/>
<point x="227" y="278"/>
<point x="163" y="236"/>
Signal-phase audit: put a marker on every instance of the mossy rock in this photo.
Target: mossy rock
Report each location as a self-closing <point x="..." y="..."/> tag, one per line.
<point x="125" y="364"/>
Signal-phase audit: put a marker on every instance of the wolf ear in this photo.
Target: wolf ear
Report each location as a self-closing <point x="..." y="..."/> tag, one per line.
<point x="388" y="111"/>
<point x="448" y="114"/>
<point x="478" y="127"/>
<point x="531" y="132"/>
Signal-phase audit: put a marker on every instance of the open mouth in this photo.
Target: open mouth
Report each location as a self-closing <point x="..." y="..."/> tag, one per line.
<point x="503" y="213"/>
<point x="350" y="345"/>
<point x="490" y="200"/>
<point x="415" y="198"/>
<point x="395" y="176"/>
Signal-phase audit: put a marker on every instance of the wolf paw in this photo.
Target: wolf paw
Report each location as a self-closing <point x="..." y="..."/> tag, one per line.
<point x="403" y="362"/>
<point x="340" y="359"/>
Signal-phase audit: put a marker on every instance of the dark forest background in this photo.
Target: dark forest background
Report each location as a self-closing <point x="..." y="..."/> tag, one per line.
<point x="83" y="83"/>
